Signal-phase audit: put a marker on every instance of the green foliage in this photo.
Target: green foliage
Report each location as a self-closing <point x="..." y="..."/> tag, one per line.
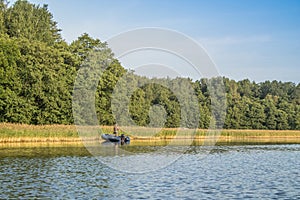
<point x="36" y="67"/>
<point x="38" y="71"/>
<point x="26" y="20"/>
<point x="3" y="7"/>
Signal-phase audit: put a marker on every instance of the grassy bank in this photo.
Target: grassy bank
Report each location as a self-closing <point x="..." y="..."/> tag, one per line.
<point x="10" y="133"/>
<point x="32" y="133"/>
<point x="43" y="133"/>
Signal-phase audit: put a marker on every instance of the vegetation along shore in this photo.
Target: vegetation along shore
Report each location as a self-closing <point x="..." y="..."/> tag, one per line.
<point x="38" y="69"/>
<point x="22" y="133"/>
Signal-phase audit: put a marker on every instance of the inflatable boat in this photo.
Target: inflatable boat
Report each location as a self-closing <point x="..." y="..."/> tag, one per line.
<point x="113" y="138"/>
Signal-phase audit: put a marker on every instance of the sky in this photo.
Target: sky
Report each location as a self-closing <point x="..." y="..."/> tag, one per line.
<point x="254" y="39"/>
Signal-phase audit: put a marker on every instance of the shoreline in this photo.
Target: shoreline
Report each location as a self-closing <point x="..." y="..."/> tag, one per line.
<point x="168" y="140"/>
<point x="22" y="133"/>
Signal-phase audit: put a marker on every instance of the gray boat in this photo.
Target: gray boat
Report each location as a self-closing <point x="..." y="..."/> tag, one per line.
<point x="113" y="138"/>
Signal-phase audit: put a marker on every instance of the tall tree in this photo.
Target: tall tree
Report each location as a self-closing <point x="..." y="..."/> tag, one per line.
<point x="13" y="106"/>
<point x="270" y="112"/>
<point x="3" y="8"/>
<point x="45" y="77"/>
<point x="26" y="20"/>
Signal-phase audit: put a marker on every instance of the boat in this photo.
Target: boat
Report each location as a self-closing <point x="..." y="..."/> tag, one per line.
<point x="113" y="138"/>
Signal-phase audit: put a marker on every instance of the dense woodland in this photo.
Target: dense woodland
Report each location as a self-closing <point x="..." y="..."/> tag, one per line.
<point x="38" y="69"/>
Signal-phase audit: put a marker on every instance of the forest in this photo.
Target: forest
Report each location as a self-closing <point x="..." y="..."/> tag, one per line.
<point x="38" y="69"/>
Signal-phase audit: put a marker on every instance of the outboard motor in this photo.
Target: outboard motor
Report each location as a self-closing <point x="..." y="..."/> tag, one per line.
<point x="124" y="139"/>
<point x="127" y="139"/>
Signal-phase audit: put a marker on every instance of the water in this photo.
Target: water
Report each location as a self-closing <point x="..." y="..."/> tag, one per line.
<point x="227" y="172"/>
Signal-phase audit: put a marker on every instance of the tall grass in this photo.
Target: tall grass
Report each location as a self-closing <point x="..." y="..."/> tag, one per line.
<point x="181" y="133"/>
<point x="23" y="132"/>
<point x="261" y="133"/>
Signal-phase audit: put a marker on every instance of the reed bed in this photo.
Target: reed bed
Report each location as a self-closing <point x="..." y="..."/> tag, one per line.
<point x="36" y="131"/>
<point x="169" y="133"/>
<point x="69" y="133"/>
<point x="261" y="133"/>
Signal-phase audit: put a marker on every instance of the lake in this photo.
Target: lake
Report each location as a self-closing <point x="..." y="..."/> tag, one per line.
<point x="218" y="172"/>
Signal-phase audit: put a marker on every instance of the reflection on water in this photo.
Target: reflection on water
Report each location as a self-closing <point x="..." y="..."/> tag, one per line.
<point x="116" y="149"/>
<point x="42" y="150"/>
<point x="227" y="172"/>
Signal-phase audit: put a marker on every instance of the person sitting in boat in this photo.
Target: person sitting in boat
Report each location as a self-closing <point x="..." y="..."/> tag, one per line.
<point x="116" y="129"/>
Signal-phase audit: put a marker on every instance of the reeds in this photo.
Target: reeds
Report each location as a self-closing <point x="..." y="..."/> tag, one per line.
<point x="37" y="131"/>
<point x="68" y="133"/>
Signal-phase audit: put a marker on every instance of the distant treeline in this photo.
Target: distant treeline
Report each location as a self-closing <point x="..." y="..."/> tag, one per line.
<point x="38" y="70"/>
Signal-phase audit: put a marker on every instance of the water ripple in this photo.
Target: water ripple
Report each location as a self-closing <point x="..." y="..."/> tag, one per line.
<point x="228" y="172"/>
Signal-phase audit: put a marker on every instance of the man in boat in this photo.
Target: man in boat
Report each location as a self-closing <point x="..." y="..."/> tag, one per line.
<point x="116" y="129"/>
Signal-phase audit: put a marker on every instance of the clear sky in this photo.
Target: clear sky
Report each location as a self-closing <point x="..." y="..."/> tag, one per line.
<point x="254" y="39"/>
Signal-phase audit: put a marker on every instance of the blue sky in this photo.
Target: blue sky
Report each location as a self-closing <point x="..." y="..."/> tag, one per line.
<point x="254" y="39"/>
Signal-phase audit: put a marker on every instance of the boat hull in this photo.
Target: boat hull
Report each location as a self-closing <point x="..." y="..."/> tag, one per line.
<point x="113" y="138"/>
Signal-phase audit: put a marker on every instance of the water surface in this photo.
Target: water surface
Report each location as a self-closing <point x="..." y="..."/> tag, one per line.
<point x="227" y="172"/>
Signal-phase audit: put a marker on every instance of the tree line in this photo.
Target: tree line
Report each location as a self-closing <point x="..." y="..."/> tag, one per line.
<point x="38" y="69"/>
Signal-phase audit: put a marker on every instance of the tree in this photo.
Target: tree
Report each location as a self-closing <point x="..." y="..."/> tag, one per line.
<point x="281" y="120"/>
<point x="138" y="108"/>
<point x="270" y="112"/>
<point x="244" y="88"/>
<point x="3" y="8"/>
<point x="26" y="20"/>
<point x="13" y="107"/>
<point x="38" y="70"/>
<point x="107" y="83"/>
<point x="85" y="44"/>
<point x="45" y="81"/>
<point x="256" y="115"/>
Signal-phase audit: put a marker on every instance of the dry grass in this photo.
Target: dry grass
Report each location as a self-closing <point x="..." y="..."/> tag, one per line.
<point x="68" y="133"/>
<point x="260" y="133"/>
